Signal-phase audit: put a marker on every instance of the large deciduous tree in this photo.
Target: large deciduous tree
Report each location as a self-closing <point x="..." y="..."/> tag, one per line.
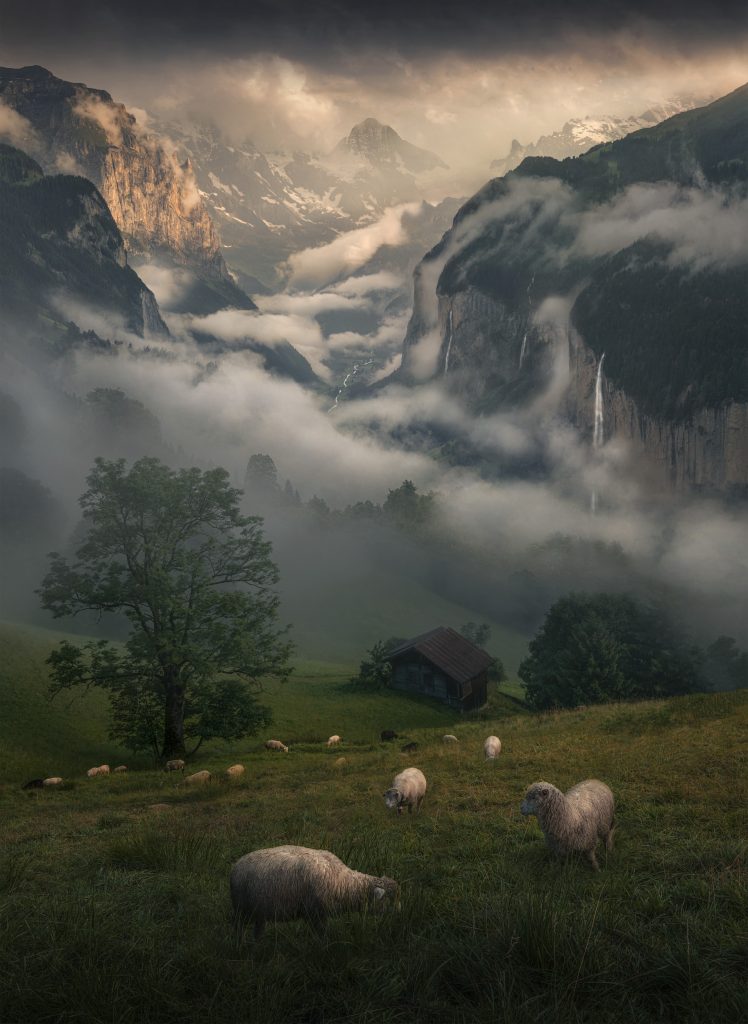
<point x="170" y="550"/>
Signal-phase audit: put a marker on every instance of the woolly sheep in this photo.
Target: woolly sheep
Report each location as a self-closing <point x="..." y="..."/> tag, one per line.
<point x="175" y="765"/>
<point x="334" y="741"/>
<point x="102" y="769"/>
<point x="449" y="738"/>
<point x="276" y="745"/>
<point x="491" y="748"/>
<point x="198" y="777"/>
<point x="285" y="883"/>
<point x="573" y="822"/>
<point x="387" y="734"/>
<point x="235" y="771"/>
<point x="409" y="787"/>
<point x="121" y="768"/>
<point x="53" y="780"/>
<point x="340" y="761"/>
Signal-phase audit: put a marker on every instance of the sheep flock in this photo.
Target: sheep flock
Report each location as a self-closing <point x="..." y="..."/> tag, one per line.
<point x="287" y="882"/>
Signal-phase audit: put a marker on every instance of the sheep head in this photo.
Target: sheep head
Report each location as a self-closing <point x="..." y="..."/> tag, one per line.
<point x="384" y="894"/>
<point x="536" y="798"/>
<point x="393" y="798"/>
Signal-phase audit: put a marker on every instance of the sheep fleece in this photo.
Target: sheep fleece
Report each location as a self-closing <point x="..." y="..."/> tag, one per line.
<point x="287" y="882"/>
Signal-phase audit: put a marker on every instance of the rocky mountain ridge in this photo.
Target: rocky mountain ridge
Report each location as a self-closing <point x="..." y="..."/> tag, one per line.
<point x="580" y="134"/>
<point x="616" y="252"/>
<point x="151" y="192"/>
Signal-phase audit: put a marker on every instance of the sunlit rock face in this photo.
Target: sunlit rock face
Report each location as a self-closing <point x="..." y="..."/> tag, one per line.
<point x="152" y="194"/>
<point x="559" y="262"/>
<point x="61" y="248"/>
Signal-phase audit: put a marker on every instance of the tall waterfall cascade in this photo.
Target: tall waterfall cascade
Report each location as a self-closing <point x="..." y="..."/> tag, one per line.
<point x="449" y="343"/>
<point x="598" y="428"/>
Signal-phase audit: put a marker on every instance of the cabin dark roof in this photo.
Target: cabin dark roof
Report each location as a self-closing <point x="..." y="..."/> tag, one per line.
<point x="449" y="651"/>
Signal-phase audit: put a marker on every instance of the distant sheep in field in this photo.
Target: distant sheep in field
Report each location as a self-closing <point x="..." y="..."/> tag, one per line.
<point x="33" y="784"/>
<point x="449" y="738"/>
<point x="408" y="789"/>
<point x="52" y="781"/>
<point x="491" y="748"/>
<point x="198" y="778"/>
<point x="340" y="761"/>
<point x="102" y="769"/>
<point x="285" y="883"/>
<point x="276" y="745"/>
<point x="409" y="748"/>
<point x="333" y="741"/>
<point x="120" y="769"/>
<point x="387" y="734"/>
<point x="175" y="765"/>
<point x="575" y="821"/>
<point x="235" y="771"/>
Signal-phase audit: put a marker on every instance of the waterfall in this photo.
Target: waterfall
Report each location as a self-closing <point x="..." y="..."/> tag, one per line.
<point x="523" y="350"/>
<point x="449" y="342"/>
<point x="350" y="376"/>
<point x="598" y="429"/>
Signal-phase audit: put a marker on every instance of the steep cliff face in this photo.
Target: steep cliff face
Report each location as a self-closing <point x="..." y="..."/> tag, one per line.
<point x="706" y="451"/>
<point x="152" y="195"/>
<point x="60" y="245"/>
<point x="636" y="250"/>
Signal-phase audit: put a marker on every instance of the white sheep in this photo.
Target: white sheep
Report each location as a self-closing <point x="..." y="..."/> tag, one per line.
<point x="102" y="769"/>
<point x="573" y="822"/>
<point x="276" y="745"/>
<point x="235" y="771"/>
<point x="53" y="780"/>
<point x="175" y="765"/>
<point x="334" y="741"/>
<point x="408" y="788"/>
<point x="340" y="761"/>
<point x="285" y="883"/>
<point x="449" y="738"/>
<point x="198" y="777"/>
<point x="491" y="748"/>
<point x="120" y="768"/>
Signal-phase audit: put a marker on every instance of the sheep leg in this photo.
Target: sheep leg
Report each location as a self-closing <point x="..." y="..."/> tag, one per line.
<point x="590" y="854"/>
<point x="609" y="839"/>
<point x="410" y="808"/>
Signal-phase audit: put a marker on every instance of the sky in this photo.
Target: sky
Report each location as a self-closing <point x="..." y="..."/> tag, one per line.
<point x="460" y="79"/>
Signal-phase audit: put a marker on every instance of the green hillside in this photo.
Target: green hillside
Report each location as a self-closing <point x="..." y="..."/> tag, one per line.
<point x="94" y="884"/>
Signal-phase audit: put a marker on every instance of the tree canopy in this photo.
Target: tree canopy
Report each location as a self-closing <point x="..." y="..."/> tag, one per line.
<point x="193" y="577"/>
<point x="601" y="647"/>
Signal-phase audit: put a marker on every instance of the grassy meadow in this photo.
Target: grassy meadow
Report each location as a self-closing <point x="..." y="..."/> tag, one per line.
<point x="111" y="911"/>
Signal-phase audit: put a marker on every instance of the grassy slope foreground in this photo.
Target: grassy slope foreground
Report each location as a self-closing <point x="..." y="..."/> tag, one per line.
<point x="110" y="911"/>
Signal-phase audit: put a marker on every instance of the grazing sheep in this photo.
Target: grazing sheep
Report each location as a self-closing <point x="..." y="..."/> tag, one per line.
<point x="334" y="741"/>
<point x="285" y="883"/>
<point x="409" y="787"/>
<point x="198" y="777"/>
<point x="387" y="734"/>
<point x="276" y="745"/>
<point x="573" y="822"/>
<point x="409" y="748"/>
<point x="33" y="784"/>
<point x="491" y="748"/>
<point x="102" y="769"/>
<point x="449" y="738"/>
<point x="120" y="768"/>
<point x="175" y="765"/>
<point x="53" y="780"/>
<point x="235" y="771"/>
<point x="340" y="761"/>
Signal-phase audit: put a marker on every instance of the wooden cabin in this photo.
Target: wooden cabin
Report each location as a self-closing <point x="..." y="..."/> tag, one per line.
<point x="444" y="665"/>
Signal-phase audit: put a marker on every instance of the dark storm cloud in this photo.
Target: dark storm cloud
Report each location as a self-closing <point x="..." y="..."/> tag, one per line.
<point x="310" y="30"/>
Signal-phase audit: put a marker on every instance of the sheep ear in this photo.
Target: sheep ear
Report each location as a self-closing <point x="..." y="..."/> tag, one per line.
<point x="378" y="892"/>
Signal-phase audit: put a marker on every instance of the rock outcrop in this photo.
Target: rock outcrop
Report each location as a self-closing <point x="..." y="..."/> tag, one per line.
<point x="152" y="194"/>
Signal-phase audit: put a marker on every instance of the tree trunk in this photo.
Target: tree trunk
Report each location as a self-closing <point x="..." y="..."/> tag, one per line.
<point x="174" y="717"/>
